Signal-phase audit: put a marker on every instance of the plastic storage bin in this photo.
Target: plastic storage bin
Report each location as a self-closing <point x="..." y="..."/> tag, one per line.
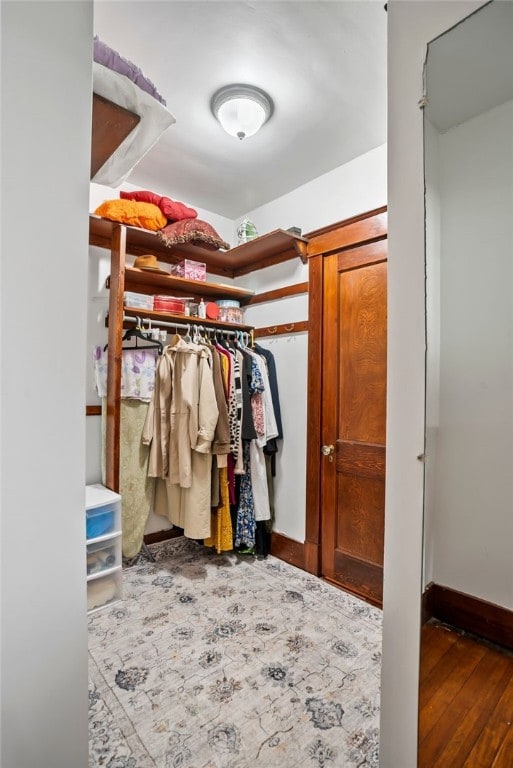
<point x="99" y="521"/>
<point x="139" y="300"/>
<point x="102" y="556"/>
<point x="103" y="590"/>
<point x="103" y="547"/>
<point x="230" y="311"/>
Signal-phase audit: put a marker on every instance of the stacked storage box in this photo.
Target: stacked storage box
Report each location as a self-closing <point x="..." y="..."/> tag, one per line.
<point x="103" y="546"/>
<point x="139" y="300"/>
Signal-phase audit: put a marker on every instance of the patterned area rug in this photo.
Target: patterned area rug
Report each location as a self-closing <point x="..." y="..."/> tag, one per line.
<point x="227" y="661"/>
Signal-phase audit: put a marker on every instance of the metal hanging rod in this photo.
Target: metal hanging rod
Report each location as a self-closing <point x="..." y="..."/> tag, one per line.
<point x="187" y="326"/>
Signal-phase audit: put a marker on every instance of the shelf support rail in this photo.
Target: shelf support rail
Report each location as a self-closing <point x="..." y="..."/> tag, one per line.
<point x="283" y="329"/>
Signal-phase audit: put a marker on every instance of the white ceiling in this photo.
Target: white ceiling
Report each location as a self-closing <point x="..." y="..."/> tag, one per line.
<point x="323" y="63"/>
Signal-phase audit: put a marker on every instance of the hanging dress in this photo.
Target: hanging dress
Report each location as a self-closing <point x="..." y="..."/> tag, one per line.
<point x="221" y="522"/>
<point x="135" y="487"/>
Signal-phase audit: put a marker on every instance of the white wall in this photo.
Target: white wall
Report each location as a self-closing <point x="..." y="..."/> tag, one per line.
<point x="473" y="524"/>
<point x="356" y="187"/>
<point x="411" y="25"/>
<point x="46" y="124"/>
<point x="432" y="198"/>
<point x="346" y="191"/>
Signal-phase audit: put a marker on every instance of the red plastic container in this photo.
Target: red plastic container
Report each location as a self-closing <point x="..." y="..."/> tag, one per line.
<point x="212" y="310"/>
<point x="168" y="304"/>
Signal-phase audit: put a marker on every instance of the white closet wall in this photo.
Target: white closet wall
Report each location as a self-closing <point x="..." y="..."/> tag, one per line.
<point x="473" y="524"/>
<point x="46" y="155"/>
<point x="411" y="25"/>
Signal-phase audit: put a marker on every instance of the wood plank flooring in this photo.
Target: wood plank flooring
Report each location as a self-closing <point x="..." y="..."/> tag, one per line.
<point x="466" y="702"/>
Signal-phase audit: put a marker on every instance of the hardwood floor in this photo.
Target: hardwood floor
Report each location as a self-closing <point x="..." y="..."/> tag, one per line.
<point x="466" y="702"/>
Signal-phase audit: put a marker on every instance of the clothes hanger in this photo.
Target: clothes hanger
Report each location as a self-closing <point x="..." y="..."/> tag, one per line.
<point x="138" y="333"/>
<point x="240" y="340"/>
<point x="175" y="337"/>
<point x="221" y="340"/>
<point x="196" y="338"/>
<point x="207" y="336"/>
<point x="233" y="342"/>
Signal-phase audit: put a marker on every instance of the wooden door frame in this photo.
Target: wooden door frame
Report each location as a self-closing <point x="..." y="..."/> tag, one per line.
<point x="358" y="230"/>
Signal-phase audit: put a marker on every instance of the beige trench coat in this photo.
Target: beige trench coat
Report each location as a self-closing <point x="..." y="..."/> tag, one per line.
<point x="184" y="495"/>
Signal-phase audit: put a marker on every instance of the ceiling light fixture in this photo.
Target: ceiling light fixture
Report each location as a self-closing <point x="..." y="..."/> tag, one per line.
<point x="241" y="109"/>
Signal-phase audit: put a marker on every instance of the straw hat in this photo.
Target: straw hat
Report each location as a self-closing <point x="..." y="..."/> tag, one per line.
<point x="149" y="263"/>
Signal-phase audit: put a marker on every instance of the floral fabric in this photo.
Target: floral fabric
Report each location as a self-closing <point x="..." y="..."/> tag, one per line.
<point x="246" y="523"/>
<point x="137" y="372"/>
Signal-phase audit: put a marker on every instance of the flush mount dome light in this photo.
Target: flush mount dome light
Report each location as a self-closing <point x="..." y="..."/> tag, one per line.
<point x="241" y="109"/>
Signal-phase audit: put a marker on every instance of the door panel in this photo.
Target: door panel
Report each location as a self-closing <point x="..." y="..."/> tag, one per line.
<point x="360" y="459"/>
<point x="354" y="418"/>
<point x="359" y="577"/>
<point x="362" y="323"/>
<point x="360" y="526"/>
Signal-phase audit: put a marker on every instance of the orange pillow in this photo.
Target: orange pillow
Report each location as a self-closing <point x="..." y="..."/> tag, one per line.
<point x="171" y="209"/>
<point x="144" y="215"/>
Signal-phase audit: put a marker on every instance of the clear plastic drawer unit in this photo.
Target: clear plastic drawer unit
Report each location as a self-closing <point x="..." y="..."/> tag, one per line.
<point x="103" y="547"/>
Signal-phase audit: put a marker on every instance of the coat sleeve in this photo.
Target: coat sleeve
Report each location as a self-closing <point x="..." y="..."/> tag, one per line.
<point x="208" y="412"/>
<point x="156" y="428"/>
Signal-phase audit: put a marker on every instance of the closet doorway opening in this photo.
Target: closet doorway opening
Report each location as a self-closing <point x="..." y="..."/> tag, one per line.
<point x="346" y="449"/>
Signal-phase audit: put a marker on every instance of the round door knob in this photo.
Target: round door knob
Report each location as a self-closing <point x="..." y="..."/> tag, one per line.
<point x="327" y="450"/>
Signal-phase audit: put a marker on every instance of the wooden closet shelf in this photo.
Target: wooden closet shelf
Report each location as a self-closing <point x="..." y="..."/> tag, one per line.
<point x="169" y="317"/>
<point x="120" y="240"/>
<point x="266" y="250"/>
<point x="152" y="283"/>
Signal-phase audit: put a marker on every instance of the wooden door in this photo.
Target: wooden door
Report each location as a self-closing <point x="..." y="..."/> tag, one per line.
<point x="352" y="426"/>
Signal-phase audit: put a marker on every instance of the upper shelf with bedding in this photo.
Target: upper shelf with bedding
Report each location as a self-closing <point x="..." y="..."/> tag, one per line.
<point x="129" y="116"/>
<point x="266" y="250"/>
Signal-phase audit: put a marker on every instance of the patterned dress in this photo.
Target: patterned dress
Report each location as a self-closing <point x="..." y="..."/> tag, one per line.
<point x="246" y="523"/>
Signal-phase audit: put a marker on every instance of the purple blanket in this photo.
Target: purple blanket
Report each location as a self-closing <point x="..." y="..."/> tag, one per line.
<point x="105" y="55"/>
